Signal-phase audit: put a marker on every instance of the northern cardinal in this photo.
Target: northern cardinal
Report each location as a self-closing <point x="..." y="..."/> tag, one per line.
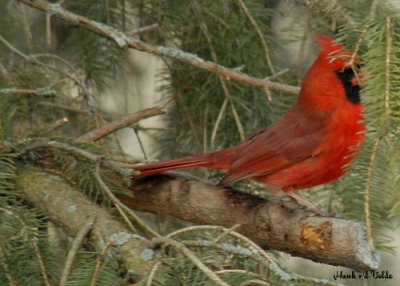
<point x="309" y="145"/>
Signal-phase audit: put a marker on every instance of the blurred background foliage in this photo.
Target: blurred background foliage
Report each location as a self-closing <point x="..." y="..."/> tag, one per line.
<point x="50" y="70"/>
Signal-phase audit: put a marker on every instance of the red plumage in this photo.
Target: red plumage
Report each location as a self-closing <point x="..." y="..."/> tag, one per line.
<point x="309" y="145"/>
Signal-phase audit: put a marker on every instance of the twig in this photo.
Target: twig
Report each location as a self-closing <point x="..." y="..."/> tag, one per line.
<point x="65" y="107"/>
<point x="217" y="122"/>
<point x="117" y="166"/>
<point x="41" y="262"/>
<point x="144" y="29"/>
<point x="12" y="281"/>
<point x="36" y="62"/>
<point x="4" y="72"/>
<point x="389" y="43"/>
<point x="254" y="282"/>
<point x="226" y="232"/>
<point x="116" y="201"/>
<point x="187" y="112"/>
<point x="215" y="17"/>
<point x="221" y="79"/>
<point x="99" y="259"/>
<point x="125" y="217"/>
<point x="367" y="191"/>
<point x="363" y="33"/>
<point x="24" y="91"/>
<point x="136" y="131"/>
<point x="76" y="244"/>
<point x="113" y="126"/>
<point x="152" y="273"/>
<point x="26" y="27"/>
<point x="278" y="74"/>
<point x="259" y="33"/>
<point x="48" y="30"/>
<point x="46" y="55"/>
<point x="59" y="123"/>
<point x="124" y="40"/>
<point x="190" y="255"/>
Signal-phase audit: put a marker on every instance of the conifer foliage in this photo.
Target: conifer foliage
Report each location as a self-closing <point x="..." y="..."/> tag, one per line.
<point x="53" y="73"/>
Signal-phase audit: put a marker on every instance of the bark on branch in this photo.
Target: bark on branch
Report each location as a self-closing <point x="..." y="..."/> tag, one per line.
<point x="70" y="209"/>
<point x="123" y="40"/>
<point x="281" y="226"/>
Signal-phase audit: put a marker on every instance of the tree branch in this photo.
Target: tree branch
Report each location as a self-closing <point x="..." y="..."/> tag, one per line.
<point x="281" y="226"/>
<point x="69" y="209"/>
<point x="25" y="91"/>
<point x="123" y="40"/>
<point x="113" y="126"/>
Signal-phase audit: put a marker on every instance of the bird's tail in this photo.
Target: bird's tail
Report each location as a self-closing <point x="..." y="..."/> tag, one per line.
<point x="218" y="160"/>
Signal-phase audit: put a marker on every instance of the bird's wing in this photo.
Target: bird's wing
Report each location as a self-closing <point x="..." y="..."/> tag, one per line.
<point x="291" y="139"/>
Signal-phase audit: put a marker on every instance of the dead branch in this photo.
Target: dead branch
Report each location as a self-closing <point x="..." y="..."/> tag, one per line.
<point x="281" y="226"/>
<point x="113" y="126"/>
<point x="123" y="40"/>
<point x="70" y="209"/>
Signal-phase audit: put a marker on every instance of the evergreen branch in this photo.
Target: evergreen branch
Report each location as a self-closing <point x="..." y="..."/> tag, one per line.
<point x="124" y="40"/>
<point x="113" y="126"/>
<point x="192" y="125"/>
<point x="99" y="261"/>
<point x="40" y="144"/>
<point x="277" y="226"/>
<point x="363" y="33"/>
<point x="117" y="202"/>
<point x="67" y="207"/>
<point x="41" y="262"/>
<point x="58" y="58"/>
<point x="125" y="217"/>
<point x="192" y="257"/>
<point x="34" y="61"/>
<point x="256" y="250"/>
<point x="76" y="244"/>
<point x="336" y="7"/>
<point x="259" y="33"/>
<point x="33" y="241"/>
<point x="205" y="31"/>
<point x="6" y="269"/>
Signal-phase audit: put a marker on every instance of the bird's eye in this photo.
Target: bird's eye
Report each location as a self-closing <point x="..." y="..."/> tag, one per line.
<point x="347" y="77"/>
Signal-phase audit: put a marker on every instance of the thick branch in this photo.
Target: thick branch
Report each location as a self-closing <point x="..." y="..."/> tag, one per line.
<point x="280" y="226"/>
<point x="113" y="126"/>
<point x="69" y="209"/>
<point x="124" y="40"/>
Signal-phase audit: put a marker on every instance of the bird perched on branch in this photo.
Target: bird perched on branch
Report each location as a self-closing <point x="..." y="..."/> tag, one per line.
<point x="309" y="145"/>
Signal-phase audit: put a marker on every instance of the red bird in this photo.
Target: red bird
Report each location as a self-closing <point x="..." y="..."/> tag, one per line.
<point x="309" y="145"/>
